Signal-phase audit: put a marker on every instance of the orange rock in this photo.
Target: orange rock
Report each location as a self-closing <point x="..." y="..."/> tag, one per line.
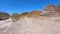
<point x="35" y="12"/>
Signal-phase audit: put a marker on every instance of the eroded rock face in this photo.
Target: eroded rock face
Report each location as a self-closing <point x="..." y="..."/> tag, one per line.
<point x="51" y="10"/>
<point x="49" y="7"/>
<point x="4" y="16"/>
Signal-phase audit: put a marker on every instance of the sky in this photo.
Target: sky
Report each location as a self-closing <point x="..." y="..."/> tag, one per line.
<point x="20" y="6"/>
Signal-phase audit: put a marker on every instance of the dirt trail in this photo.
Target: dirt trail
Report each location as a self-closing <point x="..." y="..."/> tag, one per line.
<point x="4" y="25"/>
<point x="35" y="26"/>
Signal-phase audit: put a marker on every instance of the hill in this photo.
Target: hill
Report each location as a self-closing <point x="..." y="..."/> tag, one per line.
<point x="46" y="21"/>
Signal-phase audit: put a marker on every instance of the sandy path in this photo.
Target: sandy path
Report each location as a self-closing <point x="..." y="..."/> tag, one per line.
<point x="35" y="26"/>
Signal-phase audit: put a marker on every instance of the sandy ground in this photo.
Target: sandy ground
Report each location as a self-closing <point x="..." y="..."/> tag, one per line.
<point x="4" y="25"/>
<point x="35" y="26"/>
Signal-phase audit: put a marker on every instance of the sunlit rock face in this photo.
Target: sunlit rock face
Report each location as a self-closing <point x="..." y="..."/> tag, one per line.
<point x="57" y="7"/>
<point x="49" y="7"/>
<point x="36" y="12"/>
<point x="4" y="25"/>
<point x="27" y="25"/>
<point x="48" y="10"/>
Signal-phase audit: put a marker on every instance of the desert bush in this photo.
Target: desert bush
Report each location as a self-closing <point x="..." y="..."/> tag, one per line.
<point x="15" y="16"/>
<point x="4" y="15"/>
<point x="25" y="14"/>
<point x="29" y="14"/>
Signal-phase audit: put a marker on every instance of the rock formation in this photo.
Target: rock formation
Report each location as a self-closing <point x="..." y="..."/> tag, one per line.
<point x="4" y="16"/>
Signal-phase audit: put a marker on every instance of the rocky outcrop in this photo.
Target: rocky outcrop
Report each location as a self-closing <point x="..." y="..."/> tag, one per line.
<point x="4" y="16"/>
<point x="57" y="8"/>
<point x="35" y="13"/>
<point x="51" y="10"/>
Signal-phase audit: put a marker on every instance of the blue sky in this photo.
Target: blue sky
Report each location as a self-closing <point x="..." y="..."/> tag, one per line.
<point x="19" y="6"/>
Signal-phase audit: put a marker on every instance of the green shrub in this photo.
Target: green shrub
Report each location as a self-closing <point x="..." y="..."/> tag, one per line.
<point x="15" y="16"/>
<point x="4" y="15"/>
